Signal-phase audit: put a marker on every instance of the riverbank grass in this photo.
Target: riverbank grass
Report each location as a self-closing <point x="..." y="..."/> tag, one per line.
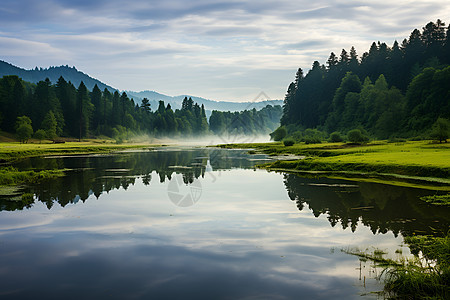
<point x="15" y="151"/>
<point x="415" y="158"/>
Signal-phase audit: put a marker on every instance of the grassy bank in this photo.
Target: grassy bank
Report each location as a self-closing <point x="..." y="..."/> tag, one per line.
<point x="12" y="179"/>
<point x="11" y="176"/>
<point x="10" y="152"/>
<point x="420" y="162"/>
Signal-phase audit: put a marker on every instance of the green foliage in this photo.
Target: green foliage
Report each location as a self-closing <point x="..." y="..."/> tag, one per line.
<point x="279" y="134"/>
<point x="63" y="110"/>
<point x="49" y="125"/>
<point x="11" y="176"/>
<point x="289" y="142"/>
<point x="27" y="198"/>
<point x="24" y="130"/>
<point x="356" y="136"/>
<point x="336" y="137"/>
<point x="40" y="134"/>
<point x="441" y="130"/>
<point x="397" y="104"/>
<point x="313" y="136"/>
<point x="422" y="278"/>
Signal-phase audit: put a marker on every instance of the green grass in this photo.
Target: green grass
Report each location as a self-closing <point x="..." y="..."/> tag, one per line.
<point x="425" y="276"/>
<point x="15" y="151"/>
<point x="442" y="200"/>
<point x="11" y="176"/>
<point x="408" y="159"/>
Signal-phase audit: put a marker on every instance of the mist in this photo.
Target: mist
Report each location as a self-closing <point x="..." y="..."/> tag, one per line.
<point x="206" y="140"/>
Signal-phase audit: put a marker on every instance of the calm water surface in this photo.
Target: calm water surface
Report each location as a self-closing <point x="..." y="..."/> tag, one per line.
<point x="199" y="224"/>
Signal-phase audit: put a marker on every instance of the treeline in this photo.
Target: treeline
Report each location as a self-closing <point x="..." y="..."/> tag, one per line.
<point x="247" y="122"/>
<point x="398" y="91"/>
<point x="50" y="111"/>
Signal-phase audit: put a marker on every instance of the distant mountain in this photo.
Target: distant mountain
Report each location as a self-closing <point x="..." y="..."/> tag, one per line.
<point x="73" y="75"/>
<point x="210" y="105"/>
<point x="53" y="73"/>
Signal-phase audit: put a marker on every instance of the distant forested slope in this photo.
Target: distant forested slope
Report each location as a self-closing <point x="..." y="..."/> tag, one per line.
<point x="389" y="91"/>
<point x="53" y="73"/>
<point x="176" y="101"/>
<point x="50" y="110"/>
<point x="76" y="77"/>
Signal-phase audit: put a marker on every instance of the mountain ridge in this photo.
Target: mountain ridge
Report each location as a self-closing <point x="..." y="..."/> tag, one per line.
<point x="75" y="76"/>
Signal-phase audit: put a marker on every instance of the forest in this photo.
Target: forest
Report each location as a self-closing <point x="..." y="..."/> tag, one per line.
<point x="389" y="92"/>
<point x="48" y="111"/>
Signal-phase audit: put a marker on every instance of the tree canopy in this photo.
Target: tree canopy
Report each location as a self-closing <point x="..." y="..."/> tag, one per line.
<point x="389" y="91"/>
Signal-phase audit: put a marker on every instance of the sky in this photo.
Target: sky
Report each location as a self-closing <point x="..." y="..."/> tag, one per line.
<point x="220" y="50"/>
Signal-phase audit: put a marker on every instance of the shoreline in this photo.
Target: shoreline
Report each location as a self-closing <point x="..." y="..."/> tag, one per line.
<point x="412" y="164"/>
<point x="12" y="152"/>
<point x="12" y="180"/>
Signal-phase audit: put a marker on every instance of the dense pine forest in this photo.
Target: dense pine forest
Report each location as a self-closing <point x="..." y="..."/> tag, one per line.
<point x="47" y="111"/>
<point x="388" y="92"/>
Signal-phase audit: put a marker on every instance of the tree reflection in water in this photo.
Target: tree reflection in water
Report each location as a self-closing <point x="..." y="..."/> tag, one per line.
<point x="97" y="174"/>
<point x="380" y="207"/>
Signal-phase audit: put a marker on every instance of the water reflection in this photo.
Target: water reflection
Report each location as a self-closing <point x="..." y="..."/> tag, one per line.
<point x="380" y="207"/>
<point x="97" y="174"/>
<point x="244" y="239"/>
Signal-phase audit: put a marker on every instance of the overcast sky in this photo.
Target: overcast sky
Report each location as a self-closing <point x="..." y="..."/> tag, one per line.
<point x="221" y="50"/>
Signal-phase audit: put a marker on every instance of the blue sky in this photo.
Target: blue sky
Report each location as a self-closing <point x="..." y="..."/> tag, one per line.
<point x="221" y="50"/>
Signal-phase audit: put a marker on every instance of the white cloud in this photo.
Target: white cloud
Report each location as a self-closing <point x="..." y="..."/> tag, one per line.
<point x="163" y="42"/>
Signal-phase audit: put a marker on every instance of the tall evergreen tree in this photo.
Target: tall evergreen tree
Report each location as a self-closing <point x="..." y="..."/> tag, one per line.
<point x="84" y="111"/>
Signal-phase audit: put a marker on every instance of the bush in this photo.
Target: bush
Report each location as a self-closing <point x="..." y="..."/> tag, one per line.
<point x="24" y="132"/>
<point x="288" y="142"/>
<point x="279" y="134"/>
<point x="40" y="135"/>
<point x="297" y="136"/>
<point x="313" y="136"/>
<point x="356" y="136"/>
<point x="440" y="130"/>
<point x="336" y="137"/>
<point x="312" y="140"/>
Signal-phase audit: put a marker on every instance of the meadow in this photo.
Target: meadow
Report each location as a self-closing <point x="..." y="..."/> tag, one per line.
<point x="413" y="161"/>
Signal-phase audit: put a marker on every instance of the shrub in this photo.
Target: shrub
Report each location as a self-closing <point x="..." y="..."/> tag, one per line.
<point x="356" y="136"/>
<point x="40" y="135"/>
<point x="297" y="136"/>
<point x="279" y="134"/>
<point x="441" y="130"/>
<point x="313" y="136"/>
<point x="312" y="140"/>
<point x="336" y="137"/>
<point x="288" y="142"/>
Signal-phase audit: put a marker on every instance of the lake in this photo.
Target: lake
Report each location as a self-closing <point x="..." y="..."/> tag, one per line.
<point x="197" y="223"/>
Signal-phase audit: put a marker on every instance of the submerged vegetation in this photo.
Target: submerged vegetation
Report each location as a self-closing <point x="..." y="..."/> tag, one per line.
<point x="424" y="276"/>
